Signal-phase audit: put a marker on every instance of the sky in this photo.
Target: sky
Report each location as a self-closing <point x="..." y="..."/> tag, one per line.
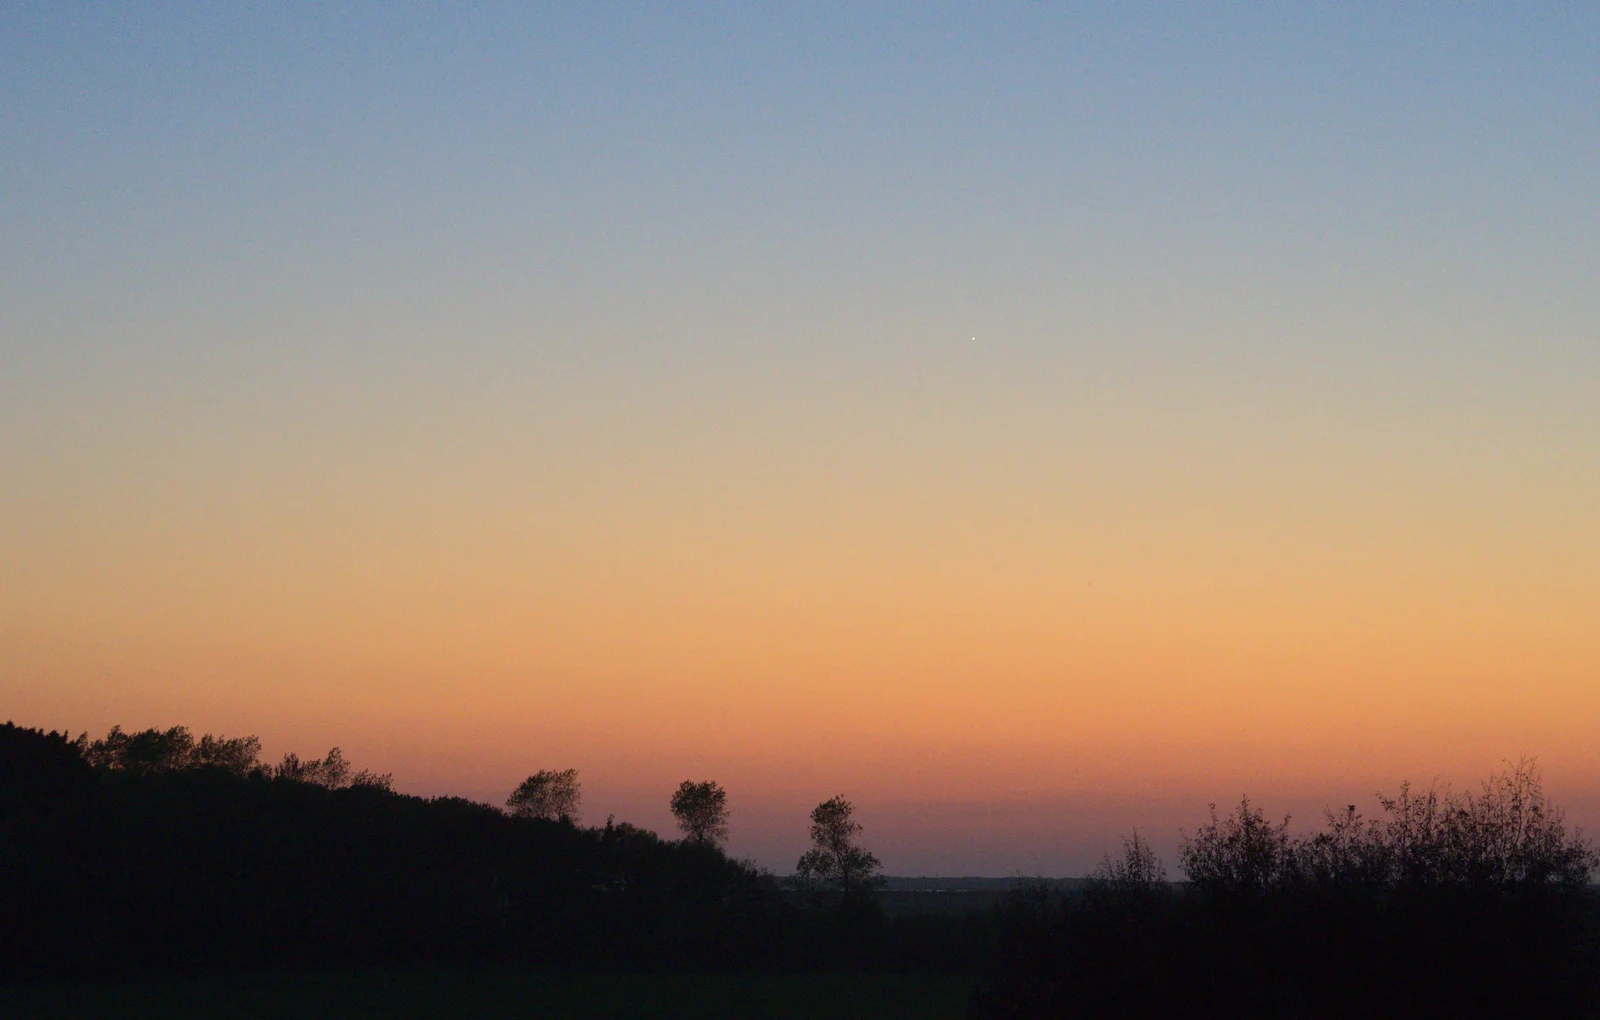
<point x="1033" y="422"/>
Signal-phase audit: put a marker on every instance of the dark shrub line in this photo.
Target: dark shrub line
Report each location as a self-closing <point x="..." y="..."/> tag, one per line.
<point x="1448" y="905"/>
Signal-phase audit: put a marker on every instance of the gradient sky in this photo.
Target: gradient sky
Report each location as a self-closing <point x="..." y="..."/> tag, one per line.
<point x="1031" y="421"/>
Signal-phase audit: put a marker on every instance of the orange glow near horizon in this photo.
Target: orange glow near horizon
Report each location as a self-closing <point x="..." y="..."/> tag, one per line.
<point x="904" y="646"/>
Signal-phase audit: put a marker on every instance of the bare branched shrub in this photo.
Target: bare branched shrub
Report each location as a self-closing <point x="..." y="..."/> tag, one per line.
<point x="1136" y="870"/>
<point x="1242" y="853"/>
<point x="1350" y="850"/>
<point x="1441" y="905"/>
<point x="1507" y="834"/>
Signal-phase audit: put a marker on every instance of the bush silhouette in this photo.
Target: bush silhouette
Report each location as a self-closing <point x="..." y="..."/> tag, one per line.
<point x="1448" y="905"/>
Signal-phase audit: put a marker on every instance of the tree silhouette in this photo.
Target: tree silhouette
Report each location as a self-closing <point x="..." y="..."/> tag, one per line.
<point x="333" y="771"/>
<point x="702" y="812"/>
<point x="547" y="794"/>
<point x="239" y="756"/>
<point x="834" y="858"/>
<point x="156" y="751"/>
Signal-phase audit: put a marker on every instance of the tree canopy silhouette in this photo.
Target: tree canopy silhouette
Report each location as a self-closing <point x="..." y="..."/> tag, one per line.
<point x="835" y="858"/>
<point x="154" y="750"/>
<point x="331" y="771"/>
<point x="548" y="795"/>
<point x="702" y="812"/>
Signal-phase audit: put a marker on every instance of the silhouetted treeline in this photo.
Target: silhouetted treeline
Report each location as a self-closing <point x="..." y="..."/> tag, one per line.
<point x="156" y="851"/>
<point x="1448" y="906"/>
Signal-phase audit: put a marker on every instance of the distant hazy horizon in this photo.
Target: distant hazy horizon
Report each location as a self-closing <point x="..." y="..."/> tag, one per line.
<point x="1030" y="424"/>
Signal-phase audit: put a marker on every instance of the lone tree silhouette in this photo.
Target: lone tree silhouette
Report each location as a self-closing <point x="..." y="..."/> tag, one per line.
<point x="547" y="794"/>
<point x="702" y="812"/>
<point x="834" y="858"/>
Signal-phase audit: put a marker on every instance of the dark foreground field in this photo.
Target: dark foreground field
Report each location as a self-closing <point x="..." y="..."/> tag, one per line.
<point x="492" y="994"/>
